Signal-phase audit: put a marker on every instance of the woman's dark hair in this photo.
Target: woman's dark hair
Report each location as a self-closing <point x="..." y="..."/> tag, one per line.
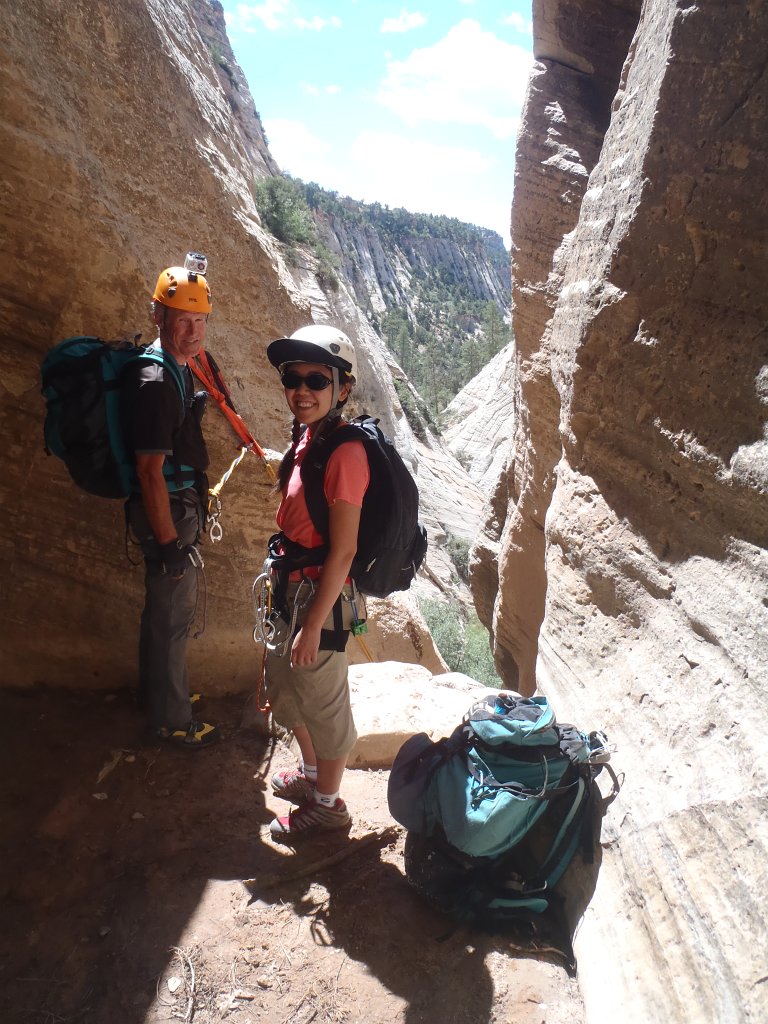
<point x="286" y="465"/>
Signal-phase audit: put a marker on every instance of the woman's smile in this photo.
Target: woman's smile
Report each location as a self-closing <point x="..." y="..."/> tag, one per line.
<point x="306" y="405"/>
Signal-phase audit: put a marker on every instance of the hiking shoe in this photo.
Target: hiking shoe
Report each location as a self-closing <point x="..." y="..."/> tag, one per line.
<point x="293" y="785"/>
<point x="195" y="736"/>
<point x="309" y="820"/>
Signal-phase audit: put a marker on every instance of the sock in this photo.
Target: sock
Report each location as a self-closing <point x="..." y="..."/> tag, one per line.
<point x="310" y="772"/>
<point x="326" y="799"/>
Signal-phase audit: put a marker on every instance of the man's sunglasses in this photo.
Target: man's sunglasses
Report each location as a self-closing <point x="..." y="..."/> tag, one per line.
<point x="314" y="381"/>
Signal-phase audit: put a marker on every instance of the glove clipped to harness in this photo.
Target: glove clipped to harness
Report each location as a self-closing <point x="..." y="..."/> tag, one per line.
<point x="176" y="557"/>
<point x="199" y="404"/>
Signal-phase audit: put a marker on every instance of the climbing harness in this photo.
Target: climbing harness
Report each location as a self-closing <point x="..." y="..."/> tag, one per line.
<point x="277" y="611"/>
<point x="205" y="368"/>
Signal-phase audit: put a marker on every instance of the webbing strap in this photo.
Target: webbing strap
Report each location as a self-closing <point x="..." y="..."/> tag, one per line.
<point x="209" y="375"/>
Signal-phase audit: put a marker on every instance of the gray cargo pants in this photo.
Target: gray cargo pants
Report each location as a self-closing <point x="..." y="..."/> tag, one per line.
<point x="169" y="609"/>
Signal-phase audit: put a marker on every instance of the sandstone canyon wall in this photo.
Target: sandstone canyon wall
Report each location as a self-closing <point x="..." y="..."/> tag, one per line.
<point x="631" y="521"/>
<point x="128" y="137"/>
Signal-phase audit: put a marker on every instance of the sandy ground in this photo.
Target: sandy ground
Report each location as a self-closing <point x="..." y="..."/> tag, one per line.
<point x="140" y="885"/>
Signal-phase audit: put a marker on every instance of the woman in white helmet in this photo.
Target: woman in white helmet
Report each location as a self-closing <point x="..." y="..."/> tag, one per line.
<point x="307" y="687"/>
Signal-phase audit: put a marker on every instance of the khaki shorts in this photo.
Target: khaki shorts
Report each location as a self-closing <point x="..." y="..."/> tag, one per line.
<point x="315" y="696"/>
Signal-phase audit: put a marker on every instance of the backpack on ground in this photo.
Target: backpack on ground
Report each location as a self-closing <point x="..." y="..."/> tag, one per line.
<point x="83" y="424"/>
<point x="391" y="542"/>
<point x="496" y="812"/>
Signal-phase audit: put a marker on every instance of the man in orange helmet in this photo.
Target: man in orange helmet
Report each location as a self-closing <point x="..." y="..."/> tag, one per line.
<point x="167" y="511"/>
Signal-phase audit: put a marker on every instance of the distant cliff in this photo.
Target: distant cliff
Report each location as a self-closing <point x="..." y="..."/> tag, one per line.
<point x="436" y="289"/>
<point x="394" y="258"/>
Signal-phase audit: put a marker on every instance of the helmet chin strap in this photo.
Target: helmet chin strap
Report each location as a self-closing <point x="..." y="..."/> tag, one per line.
<point x="336" y="387"/>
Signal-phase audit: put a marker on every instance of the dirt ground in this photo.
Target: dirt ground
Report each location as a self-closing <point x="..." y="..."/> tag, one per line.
<point x="140" y="885"/>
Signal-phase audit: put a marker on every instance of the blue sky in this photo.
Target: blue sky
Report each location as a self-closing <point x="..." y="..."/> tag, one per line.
<point x="415" y="106"/>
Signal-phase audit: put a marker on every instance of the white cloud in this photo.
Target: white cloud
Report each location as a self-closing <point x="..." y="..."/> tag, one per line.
<point x="315" y="90"/>
<point x="404" y="22"/>
<point x="271" y="14"/>
<point x="517" y="21"/>
<point x="274" y="15"/>
<point x="468" y="77"/>
<point x="317" y="24"/>
<point x="457" y="184"/>
<point x="294" y="146"/>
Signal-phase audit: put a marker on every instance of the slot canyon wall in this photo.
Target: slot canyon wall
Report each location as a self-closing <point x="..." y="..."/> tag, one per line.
<point x="627" y="533"/>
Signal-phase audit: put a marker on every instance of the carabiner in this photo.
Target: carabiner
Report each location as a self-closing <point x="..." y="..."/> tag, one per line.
<point x="215" y="531"/>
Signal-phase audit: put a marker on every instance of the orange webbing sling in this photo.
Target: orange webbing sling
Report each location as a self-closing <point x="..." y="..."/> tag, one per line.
<point x="207" y="372"/>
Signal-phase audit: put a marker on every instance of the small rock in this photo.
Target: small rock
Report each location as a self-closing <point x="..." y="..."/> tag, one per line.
<point x="264" y="982"/>
<point x="129" y="758"/>
<point x="104" y="930"/>
<point x="100" y="796"/>
<point x="137" y="816"/>
<point x="173" y="983"/>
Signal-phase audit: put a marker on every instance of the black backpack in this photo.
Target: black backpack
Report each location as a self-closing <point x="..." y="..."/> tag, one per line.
<point x="83" y="425"/>
<point x="391" y="542"/>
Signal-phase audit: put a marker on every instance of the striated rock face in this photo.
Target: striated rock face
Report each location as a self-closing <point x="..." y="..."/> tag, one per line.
<point x="382" y="264"/>
<point x="119" y="154"/>
<point x="128" y="139"/>
<point x="633" y="571"/>
<point x="566" y="112"/>
<point x="479" y="424"/>
<point x="209" y="20"/>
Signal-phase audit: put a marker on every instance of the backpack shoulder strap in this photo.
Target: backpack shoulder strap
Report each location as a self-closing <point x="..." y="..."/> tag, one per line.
<point x="314" y="466"/>
<point x="158" y="355"/>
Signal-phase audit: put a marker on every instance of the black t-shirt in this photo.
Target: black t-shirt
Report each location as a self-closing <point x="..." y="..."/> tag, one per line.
<point x="156" y="422"/>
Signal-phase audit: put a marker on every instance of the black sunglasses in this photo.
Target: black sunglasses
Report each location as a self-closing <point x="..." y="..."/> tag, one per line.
<point x="314" y="381"/>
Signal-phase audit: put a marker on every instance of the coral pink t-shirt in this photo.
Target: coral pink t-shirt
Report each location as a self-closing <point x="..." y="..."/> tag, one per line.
<point x="346" y="479"/>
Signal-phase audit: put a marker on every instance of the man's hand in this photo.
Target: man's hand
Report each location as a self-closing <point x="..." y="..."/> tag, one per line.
<point x="177" y="558"/>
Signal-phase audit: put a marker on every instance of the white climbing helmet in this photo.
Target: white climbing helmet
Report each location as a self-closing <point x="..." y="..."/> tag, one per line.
<point x="316" y="343"/>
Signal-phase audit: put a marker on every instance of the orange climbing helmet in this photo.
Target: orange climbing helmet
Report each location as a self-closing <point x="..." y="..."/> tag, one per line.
<point x="180" y="288"/>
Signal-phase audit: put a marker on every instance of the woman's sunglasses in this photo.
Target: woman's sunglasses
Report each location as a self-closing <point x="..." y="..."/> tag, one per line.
<point x="314" y="381"/>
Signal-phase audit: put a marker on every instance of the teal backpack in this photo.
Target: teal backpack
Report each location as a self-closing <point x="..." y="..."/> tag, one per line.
<point x="496" y="812"/>
<point x="83" y="424"/>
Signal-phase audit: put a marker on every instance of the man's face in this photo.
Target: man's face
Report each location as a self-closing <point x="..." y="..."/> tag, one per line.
<point x="181" y="333"/>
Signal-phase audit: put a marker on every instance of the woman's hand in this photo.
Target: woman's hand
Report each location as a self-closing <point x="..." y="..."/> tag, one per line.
<point x="343" y="524"/>
<point x="305" y="646"/>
